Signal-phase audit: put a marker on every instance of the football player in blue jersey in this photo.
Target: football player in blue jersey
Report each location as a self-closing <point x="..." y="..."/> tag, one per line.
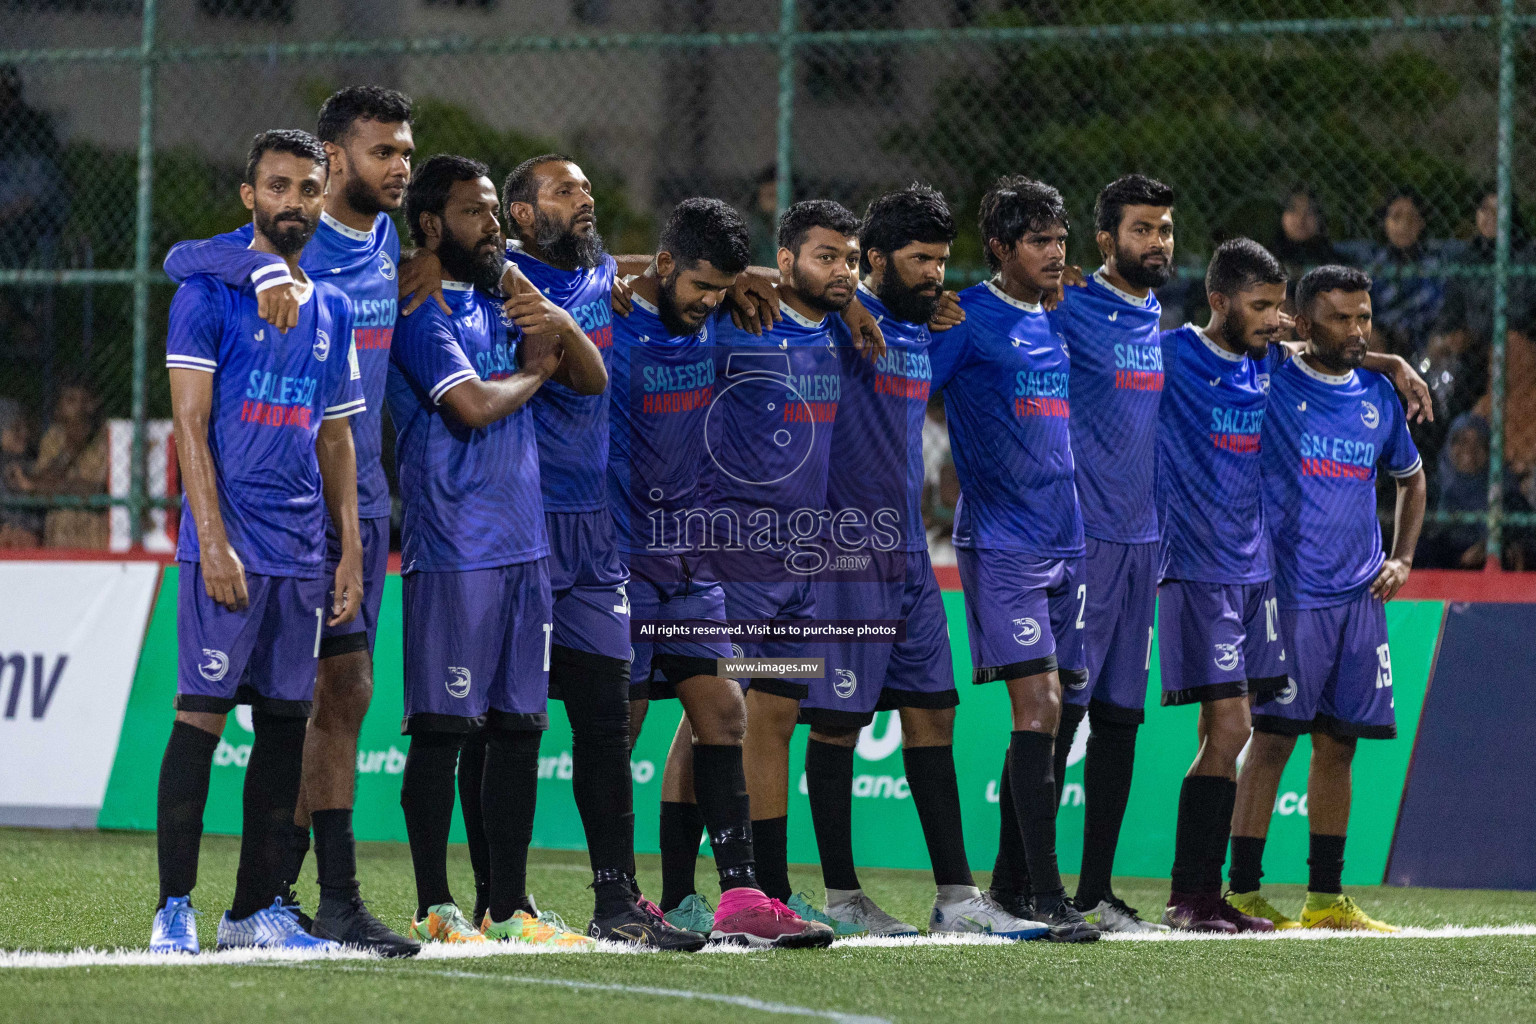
<point x="663" y="390"/>
<point x="1018" y="531"/>
<point x="366" y="131"/>
<point x="475" y="595"/>
<point x="874" y="489"/>
<point x="1111" y="327"/>
<point x="266" y="454"/>
<point x="1330" y="423"/>
<point x="1222" y="645"/>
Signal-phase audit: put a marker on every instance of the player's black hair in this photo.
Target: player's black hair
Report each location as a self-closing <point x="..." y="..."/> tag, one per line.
<point x="707" y="230"/>
<point x="1012" y="208"/>
<point x="344" y="108"/>
<point x="430" y="185"/>
<point x="1330" y="278"/>
<point x="895" y="220"/>
<point x="1240" y="263"/>
<point x="1130" y="190"/>
<point x="283" y="140"/>
<point x="522" y="185"/>
<point x="799" y="219"/>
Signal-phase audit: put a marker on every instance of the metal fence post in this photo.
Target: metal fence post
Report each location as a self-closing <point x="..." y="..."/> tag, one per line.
<point x="784" y="161"/>
<point x="1501" y="284"/>
<point x="143" y="217"/>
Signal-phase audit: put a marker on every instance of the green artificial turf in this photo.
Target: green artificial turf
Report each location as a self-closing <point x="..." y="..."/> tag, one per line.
<point x="61" y="891"/>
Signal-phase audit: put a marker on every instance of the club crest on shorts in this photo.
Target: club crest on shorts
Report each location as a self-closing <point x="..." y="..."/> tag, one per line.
<point x="1369" y="414"/>
<point x="1027" y="633"/>
<point x="213" y="666"/>
<point x="458" y="682"/>
<point x="1226" y="657"/>
<point x="322" y="345"/>
<point x="1288" y="694"/>
<point x="845" y="683"/>
<point x="386" y="267"/>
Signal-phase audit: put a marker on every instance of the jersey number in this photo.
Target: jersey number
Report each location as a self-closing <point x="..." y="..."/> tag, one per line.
<point x="319" y="621"/>
<point x="1082" y="603"/>
<point x="622" y="608"/>
<point x="1272" y="619"/>
<point x="549" y="635"/>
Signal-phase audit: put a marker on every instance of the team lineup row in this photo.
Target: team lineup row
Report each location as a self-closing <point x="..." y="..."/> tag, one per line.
<point x="614" y="468"/>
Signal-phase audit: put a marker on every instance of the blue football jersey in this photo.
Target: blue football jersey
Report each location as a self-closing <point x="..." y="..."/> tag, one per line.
<point x="471" y="495"/>
<point x="1209" y="483"/>
<point x="769" y="433"/>
<point x="1117" y="384"/>
<point x="1324" y="436"/>
<point x="362" y="265"/>
<point x="572" y="429"/>
<point x="661" y="388"/>
<point x="1005" y="377"/>
<point x="876" y="474"/>
<point x="270" y="392"/>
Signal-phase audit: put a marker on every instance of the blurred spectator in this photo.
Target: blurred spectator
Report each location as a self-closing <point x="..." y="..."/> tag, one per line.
<point x="763" y="218"/>
<point x="72" y="459"/>
<point x="1461" y="478"/>
<point x="31" y="183"/>
<point x="1407" y="294"/>
<point x="1456" y="361"/>
<point x="19" y="527"/>
<point x="1301" y="242"/>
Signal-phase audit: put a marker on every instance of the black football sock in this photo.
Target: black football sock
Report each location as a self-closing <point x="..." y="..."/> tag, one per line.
<point x="1010" y="872"/>
<point x="294" y="852"/>
<point x="1032" y="776"/>
<point x="179" y="804"/>
<point x="1072" y="716"/>
<point x="1200" y="801"/>
<point x="682" y="827"/>
<point x="720" y="786"/>
<point x="1219" y="832"/>
<point x="770" y="851"/>
<point x="508" y="796"/>
<point x="1325" y="864"/>
<point x="936" y="795"/>
<point x="1247" y="863"/>
<point x="829" y="784"/>
<point x="272" y="778"/>
<point x="335" y="853"/>
<point x="596" y="695"/>
<point x="426" y="797"/>
<point x="1106" y="792"/>
<point x="471" y="771"/>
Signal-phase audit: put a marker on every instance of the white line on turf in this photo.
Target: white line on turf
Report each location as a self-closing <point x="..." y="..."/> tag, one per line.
<point x="441" y="952"/>
<point x="744" y="1002"/>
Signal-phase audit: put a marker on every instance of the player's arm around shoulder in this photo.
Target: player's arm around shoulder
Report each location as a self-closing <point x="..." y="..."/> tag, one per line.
<point x="1403" y="463"/>
<point x="478" y="403"/>
<point x="581" y="365"/>
<point x="1415" y="392"/>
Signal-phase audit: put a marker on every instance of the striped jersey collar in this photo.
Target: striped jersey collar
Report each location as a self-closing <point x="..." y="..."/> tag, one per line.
<point x="1028" y="307"/>
<point x="1231" y="357"/>
<point x="803" y="321"/>
<point x="458" y="286"/>
<point x="342" y="230"/>
<point x="1334" y="380"/>
<point x="1103" y="279"/>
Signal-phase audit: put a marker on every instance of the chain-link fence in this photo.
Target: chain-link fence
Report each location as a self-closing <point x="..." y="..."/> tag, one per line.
<point x="1385" y="134"/>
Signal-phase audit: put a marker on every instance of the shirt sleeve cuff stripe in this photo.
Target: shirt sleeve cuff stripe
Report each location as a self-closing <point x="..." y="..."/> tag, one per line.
<point x="448" y="382"/>
<point x="343" y="412"/>
<point x="280" y="269"/>
<point x="1418" y="464"/>
<point x="357" y="403"/>
<point x="177" y="363"/>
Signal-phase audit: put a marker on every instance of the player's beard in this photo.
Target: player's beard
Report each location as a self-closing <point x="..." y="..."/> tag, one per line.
<point x="914" y="305"/>
<point x="563" y="245"/>
<point x="363" y="198"/>
<point x="668" y="310"/>
<point x="1138" y="275"/>
<point x="818" y="299"/>
<point x="288" y="231"/>
<point x="1234" y="331"/>
<point x="460" y="262"/>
